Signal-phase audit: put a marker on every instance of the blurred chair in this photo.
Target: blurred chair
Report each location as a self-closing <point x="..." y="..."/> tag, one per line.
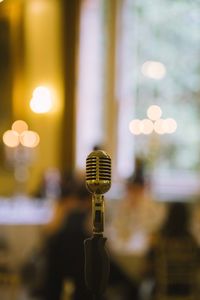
<point x="176" y="269"/>
<point x="172" y="263"/>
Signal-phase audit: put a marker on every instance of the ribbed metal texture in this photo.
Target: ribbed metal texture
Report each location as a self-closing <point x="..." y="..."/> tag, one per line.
<point x="98" y="172"/>
<point x="98" y="168"/>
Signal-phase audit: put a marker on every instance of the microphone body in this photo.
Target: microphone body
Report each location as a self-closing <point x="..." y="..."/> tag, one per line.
<point x="98" y="182"/>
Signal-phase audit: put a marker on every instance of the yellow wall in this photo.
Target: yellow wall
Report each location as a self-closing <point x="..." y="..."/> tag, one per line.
<point x="42" y="66"/>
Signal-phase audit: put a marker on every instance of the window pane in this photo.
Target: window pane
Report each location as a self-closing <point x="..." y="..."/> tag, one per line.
<point x="165" y="32"/>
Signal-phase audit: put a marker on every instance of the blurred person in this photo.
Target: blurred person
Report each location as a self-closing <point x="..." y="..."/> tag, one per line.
<point x="172" y="262"/>
<point x="131" y="221"/>
<point x="64" y="255"/>
<point x="65" y="252"/>
<point x="136" y="215"/>
<point x="56" y="235"/>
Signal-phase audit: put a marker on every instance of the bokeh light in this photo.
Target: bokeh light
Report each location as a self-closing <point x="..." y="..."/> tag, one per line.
<point x="19" y="126"/>
<point x="135" y="127"/>
<point x="29" y="139"/>
<point x="153" y="69"/>
<point x="146" y="126"/>
<point x="41" y="101"/>
<point x="170" y="125"/>
<point x="11" y="138"/>
<point x="159" y="126"/>
<point x="154" y="112"/>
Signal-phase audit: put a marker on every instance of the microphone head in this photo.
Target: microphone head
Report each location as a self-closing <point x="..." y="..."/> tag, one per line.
<point x="98" y="172"/>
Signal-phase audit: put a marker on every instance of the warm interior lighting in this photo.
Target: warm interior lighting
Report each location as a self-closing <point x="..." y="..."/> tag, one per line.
<point x="1" y="1"/>
<point x="19" y="126"/>
<point x="154" y="112"/>
<point x="29" y="139"/>
<point x="153" y="69"/>
<point x="37" y="7"/>
<point x="11" y="138"/>
<point x="41" y="101"/>
<point x="135" y="127"/>
<point x="146" y="126"/>
<point x="170" y="125"/>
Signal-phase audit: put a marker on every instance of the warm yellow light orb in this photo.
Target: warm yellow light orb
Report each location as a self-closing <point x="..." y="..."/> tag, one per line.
<point x="154" y="112"/>
<point x="41" y="101"/>
<point x="19" y="126"/>
<point x="135" y="127"/>
<point x="29" y="139"/>
<point x="1" y="1"/>
<point x="146" y="126"/>
<point x="11" y="138"/>
<point x="153" y="69"/>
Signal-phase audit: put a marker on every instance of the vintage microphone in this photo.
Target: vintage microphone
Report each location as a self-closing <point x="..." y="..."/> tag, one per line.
<point x="98" y="182"/>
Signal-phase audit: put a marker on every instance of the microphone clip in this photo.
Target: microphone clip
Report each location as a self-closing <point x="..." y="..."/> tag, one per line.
<point x="98" y="214"/>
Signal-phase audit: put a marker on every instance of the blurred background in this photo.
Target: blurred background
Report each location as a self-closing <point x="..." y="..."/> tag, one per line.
<point x="122" y="76"/>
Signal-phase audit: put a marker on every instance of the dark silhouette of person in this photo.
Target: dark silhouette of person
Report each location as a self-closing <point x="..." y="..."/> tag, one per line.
<point x="64" y="252"/>
<point x="173" y="259"/>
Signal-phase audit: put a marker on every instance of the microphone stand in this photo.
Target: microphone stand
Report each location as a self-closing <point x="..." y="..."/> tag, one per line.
<point x="97" y="265"/>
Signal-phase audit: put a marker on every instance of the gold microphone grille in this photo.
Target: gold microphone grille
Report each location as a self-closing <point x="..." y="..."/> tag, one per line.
<point x="98" y="168"/>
